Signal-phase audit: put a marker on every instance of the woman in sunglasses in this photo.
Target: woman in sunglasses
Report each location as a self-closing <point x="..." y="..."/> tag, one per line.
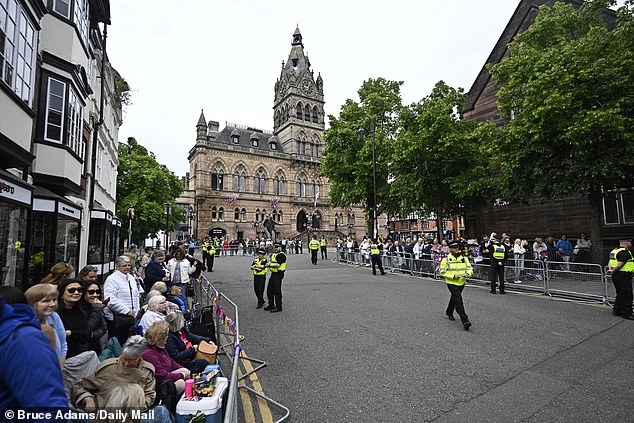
<point x="93" y="305"/>
<point x="74" y="316"/>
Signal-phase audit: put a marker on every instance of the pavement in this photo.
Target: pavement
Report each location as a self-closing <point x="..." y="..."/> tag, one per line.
<point x="352" y="347"/>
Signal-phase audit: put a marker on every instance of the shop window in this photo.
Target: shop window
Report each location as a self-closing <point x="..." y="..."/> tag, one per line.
<point x="627" y="200"/>
<point x="610" y="209"/>
<point x="67" y="241"/>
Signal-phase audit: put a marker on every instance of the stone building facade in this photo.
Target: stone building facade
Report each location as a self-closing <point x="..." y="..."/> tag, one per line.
<point x="248" y="182"/>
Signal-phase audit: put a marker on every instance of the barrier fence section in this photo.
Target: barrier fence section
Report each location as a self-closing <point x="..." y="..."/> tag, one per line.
<point x="207" y="295"/>
<point x="585" y="281"/>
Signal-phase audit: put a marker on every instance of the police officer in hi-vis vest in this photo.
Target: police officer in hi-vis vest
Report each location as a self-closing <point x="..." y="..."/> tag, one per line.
<point x="375" y="254"/>
<point x="258" y="266"/>
<point x="456" y="268"/>
<point x="497" y="254"/>
<point x="621" y="267"/>
<point x="274" y="290"/>
<point x="313" y="246"/>
<point x="323" y="247"/>
<point x="209" y="255"/>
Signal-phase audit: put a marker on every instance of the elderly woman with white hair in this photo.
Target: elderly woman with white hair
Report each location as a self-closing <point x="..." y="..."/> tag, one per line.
<point x="120" y="288"/>
<point x="182" y="345"/>
<point x="93" y="392"/>
<point x="156" y="308"/>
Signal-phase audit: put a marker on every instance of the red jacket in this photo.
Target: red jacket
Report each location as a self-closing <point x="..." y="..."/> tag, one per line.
<point x="164" y="365"/>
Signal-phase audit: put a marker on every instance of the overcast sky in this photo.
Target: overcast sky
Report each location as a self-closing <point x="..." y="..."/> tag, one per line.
<point x="225" y="56"/>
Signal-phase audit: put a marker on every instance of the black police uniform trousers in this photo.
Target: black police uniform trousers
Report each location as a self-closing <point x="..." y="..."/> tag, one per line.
<point x="258" y="286"/>
<point x="496" y="273"/>
<point x="623" y="286"/>
<point x="313" y="256"/>
<point x="376" y="261"/>
<point x="455" y="302"/>
<point x="324" y="253"/>
<point x="210" y="262"/>
<point x="274" y="290"/>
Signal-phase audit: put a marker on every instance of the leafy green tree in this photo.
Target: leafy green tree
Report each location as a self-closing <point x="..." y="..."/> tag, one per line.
<point x="347" y="159"/>
<point x="438" y="164"/>
<point x="568" y="85"/>
<point x="145" y="185"/>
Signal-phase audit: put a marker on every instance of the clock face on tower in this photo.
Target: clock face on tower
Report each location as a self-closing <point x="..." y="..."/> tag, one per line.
<point x="307" y="87"/>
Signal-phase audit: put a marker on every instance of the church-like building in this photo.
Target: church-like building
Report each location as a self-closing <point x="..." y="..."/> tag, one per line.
<point x="246" y="182"/>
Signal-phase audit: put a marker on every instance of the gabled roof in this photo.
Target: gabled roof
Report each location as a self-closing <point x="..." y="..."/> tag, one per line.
<point x="522" y="18"/>
<point x="245" y="137"/>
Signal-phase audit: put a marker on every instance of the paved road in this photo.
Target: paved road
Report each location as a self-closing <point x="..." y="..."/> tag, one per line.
<point x="352" y="347"/>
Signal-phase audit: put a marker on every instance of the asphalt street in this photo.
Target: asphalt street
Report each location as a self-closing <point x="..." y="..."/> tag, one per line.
<point x="352" y="347"/>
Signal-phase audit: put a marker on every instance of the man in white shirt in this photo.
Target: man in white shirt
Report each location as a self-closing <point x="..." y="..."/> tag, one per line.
<point x="122" y="294"/>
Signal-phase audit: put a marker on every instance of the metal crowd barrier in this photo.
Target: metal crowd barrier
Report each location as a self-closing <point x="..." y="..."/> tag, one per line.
<point x="205" y="295"/>
<point x="584" y="281"/>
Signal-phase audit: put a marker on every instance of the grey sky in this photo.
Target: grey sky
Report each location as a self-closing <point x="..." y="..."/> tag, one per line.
<point x="225" y="56"/>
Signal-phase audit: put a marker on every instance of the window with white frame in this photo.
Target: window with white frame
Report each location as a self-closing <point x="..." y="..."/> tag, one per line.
<point x="99" y="163"/>
<point x="56" y="98"/>
<point x="17" y="49"/>
<point x="74" y="124"/>
<point x="278" y="184"/>
<point x="62" y="7"/>
<point x="113" y="179"/>
<point x="80" y="17"/>
<point x="259" y="185"/>
<point x="239" y="179"/>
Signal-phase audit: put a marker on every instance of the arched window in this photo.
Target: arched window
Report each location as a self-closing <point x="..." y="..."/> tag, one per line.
<point x="221" y="213"/>
<point x="301" y="146"/>
<point x="316" y="189"/>
<point x="214" y="213"/>
<point x="274" y="215"/>
<point x="279" y="216"/>
<point x="258" y="215"/>
<point x="299" y="110"/>
<point x="217" y="177"/>
<point x="300" y="189"/>
<point x="259" y="185"/>
<point x="278" y="184"/>
<point x="239" y="179"/>
<point x="315" y="149"/>
<point x="243" y="215"/>
<point x="307" y="113"/>
<point x="315" y="115"/>
<point x="351" y="219"/>
<point x="287" y="114"/>
<point x="236" y="214"/>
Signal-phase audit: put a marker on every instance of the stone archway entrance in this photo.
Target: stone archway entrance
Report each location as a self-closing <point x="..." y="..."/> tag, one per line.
<point x="302" y="221"/>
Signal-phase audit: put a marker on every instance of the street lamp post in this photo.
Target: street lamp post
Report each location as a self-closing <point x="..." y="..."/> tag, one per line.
<point x="167" y="208"/>
<point x="362" y="133"/>
<point x="191" y="213"/>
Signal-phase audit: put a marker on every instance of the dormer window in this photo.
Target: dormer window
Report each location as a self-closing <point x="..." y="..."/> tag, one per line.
<point x="255" y="141"/>
<point x="235" y="136"/>
<point x="273" y="146"/>
<point x="273" y="142"/>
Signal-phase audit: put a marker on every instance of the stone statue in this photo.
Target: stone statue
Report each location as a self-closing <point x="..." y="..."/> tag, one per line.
<point x="269" y="226"/>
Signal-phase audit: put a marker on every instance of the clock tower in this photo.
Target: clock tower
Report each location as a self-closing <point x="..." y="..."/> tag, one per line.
<point x="298" y="108"/>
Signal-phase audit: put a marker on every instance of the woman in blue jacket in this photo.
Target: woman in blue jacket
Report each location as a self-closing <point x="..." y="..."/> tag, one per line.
<point x="182" y="345"/>
<point x="156" y="271"/>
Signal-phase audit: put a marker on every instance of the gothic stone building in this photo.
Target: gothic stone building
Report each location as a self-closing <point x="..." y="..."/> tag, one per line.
<point x="243" y="178"/>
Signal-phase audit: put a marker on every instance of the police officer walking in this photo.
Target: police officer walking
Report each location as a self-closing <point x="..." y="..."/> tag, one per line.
<point x="258" y="266"/>
<point x="375" y="254"/>
<point x="497" y="254"/>
<point x="277" y="266"/>
<point x="621" y="267"/>
<point x="313" y="246"/>
<point x="209" y="257"/>
<point x="456" y="268"/>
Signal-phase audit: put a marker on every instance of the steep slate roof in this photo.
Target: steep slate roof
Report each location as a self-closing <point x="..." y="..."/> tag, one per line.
<point x="522" y="18"/>
<point x="246" y="134"/>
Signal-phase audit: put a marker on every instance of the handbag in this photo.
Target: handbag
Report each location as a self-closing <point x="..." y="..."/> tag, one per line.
<point x="206" y="351"/>
<point x="123" y="321"/>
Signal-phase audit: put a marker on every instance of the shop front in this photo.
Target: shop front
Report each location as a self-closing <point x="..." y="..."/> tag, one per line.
<point x="55" y="232"/>
<point x="15" y="205"/>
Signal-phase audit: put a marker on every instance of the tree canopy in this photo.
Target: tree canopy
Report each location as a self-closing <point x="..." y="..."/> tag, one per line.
<point x="568" y="86"/>
<point x="348" y="156"/>
<point x="439" y="165"/>
<point x="145" y="185"/>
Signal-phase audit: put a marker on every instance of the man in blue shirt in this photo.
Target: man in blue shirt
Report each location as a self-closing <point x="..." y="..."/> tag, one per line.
<point x="564" y="249"/>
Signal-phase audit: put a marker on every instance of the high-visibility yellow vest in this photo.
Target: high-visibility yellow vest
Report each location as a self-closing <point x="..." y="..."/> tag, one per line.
<point x="628" y="266"/>
<point x="322" y="242"/>
<point x="259" y="262"/>
<point x="274" y="260"/>
<point x="211" y="249"/>
<point x="374" y="249"/>
<point x="499" y="252"/>
<point x="313" y="244"/>
<point x="452" y="265"/>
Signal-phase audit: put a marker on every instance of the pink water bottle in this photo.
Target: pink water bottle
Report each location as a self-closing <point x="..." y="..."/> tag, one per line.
<point x="189" y="388"/>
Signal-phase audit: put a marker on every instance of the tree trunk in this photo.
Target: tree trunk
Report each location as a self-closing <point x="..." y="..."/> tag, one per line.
<point x="439" y="232"/>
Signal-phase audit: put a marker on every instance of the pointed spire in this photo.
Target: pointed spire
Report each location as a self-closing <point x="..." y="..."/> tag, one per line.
<point x="297" y="38"/>
<point x="202" y="121"/>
